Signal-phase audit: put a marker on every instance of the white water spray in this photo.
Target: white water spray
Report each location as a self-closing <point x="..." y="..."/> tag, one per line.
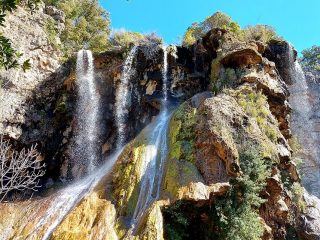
<point x="302" y="125"/>
<point x="165" y="73"/>
<point x="153" y="158"/>
<point x="122" y="95"/>
<point x="68" y="198"/>
<point x="87" y="113"/>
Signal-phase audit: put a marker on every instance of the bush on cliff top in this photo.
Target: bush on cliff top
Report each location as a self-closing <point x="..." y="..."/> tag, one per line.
<point x="197" y="30"/>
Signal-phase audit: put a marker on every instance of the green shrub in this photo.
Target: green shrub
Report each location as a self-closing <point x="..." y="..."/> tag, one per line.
<point x="297" y="194"/>
<point x="196" y="31"/>
<point x="217" y="20"/>
<point x="51" y="32"/>
<point x="238" y="210"/>
<point x="125" y="38"/>
<point x="256" y="106"/>
<point x="263" y="33"/>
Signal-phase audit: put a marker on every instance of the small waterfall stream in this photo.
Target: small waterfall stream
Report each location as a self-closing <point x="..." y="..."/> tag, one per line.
<point x="122" y="98"/>
<point x="302" y="125"/>
<point x="165" y="73"/>
<point x="154" y="157"/>
<point x="66" y="199"/>
<point x="85" y="149"/>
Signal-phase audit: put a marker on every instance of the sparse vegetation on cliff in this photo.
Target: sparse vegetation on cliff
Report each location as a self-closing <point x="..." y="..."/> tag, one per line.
<point x="196" y="31"/>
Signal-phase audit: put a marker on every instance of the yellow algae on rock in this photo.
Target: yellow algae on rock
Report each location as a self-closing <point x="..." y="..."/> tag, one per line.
<point x="93" y="219"/>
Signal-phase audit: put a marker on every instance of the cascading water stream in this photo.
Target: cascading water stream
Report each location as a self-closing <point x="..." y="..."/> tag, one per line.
<point x="122" y="98"/>
<point x="153" y="157"/>
<point x="67" y="199"/>
<point x="302" y="125"/>
<point x="85" y="149"/>
<point x="165" y="73"/>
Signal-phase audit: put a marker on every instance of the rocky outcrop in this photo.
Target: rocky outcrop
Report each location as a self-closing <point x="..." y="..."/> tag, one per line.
<point x="27" y="32"/>
<point x="309" y="222"/>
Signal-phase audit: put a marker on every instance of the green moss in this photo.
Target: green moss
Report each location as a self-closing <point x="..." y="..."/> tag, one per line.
<point x="127" y="177"/>
<point x="256" y="106"/>
<point x="181" y="133"/>
<point x="180" y="169"/>
<point x="297" y="193"/>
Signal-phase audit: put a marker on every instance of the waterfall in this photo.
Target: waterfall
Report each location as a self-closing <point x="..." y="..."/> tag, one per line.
<point x="165" y="73"/>
<point x="302" y="125"/>
<point x="85" y="149"/>
<point x="153" y="158"/>
<point x="67" y="199"/>
<point x="122" y="96"/>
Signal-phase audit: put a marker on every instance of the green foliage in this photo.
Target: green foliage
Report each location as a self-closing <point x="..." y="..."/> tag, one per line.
<point x="196" y="31"/>
<point x="256" y="106"/>
<point x="52" y="2"/>
<point x="31" y="4"/>
<point x="87" y="26"/>
<point x="263" y="33"/>
<point x="297" y="151"/>
<point x="297" y="194"/>
<point x="217" y="20"/>
<point x="125" y="39"/>
<point x="237" y="211"/>
<point x="311" y="58"/>
<point x="177" y="224"/>
<point x="185" y="134"/>
<point x="226" y="78"/>
<point x="51" y="32"/>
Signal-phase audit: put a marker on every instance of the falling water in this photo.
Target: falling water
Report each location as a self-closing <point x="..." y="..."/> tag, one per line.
<point x="85" y="149"/>
<point x="153" y="158"/>
<point x="66" y="199"/>
<point x="302" y="125"/>
<point x="122" y="95"/>
<point x="165" y="73"/>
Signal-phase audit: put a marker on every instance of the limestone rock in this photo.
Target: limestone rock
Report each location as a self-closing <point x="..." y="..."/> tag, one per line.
<point x="241" y="57"/>
<point x="25" y="30"/>
<point x="309" y="223"/>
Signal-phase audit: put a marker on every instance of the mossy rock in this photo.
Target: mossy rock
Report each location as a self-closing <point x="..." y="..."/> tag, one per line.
<point x="180" y="167"/>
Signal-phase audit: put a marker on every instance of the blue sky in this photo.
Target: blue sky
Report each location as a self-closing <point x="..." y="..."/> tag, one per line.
<point x="298" y="21"/>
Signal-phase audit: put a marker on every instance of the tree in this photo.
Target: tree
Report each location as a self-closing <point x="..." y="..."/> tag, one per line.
<point x="263" y="33"/>
<point x="217" y="20"/>
<point x="196" y="31"/>
<point x="311" y="58"/>
<point x="125" y="38"/>
<point x="87" y="26"/>
<point x="19" y="171"/>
